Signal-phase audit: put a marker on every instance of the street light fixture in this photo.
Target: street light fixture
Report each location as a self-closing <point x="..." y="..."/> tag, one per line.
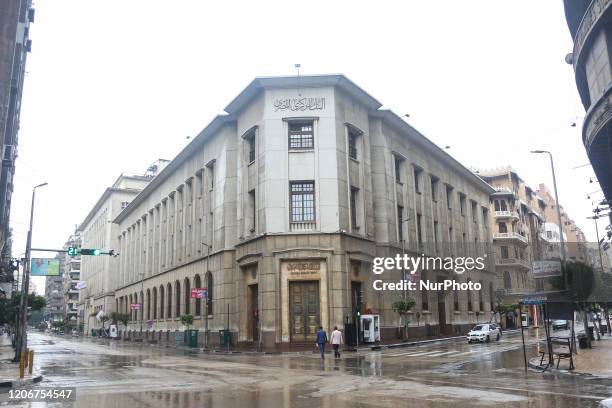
<point x="22" y="335"/>
<point x="552" y="167"/>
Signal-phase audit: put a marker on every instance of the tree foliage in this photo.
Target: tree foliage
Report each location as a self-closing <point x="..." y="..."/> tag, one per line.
<point x="9" y="308"/>
<point x="187" y="320"/>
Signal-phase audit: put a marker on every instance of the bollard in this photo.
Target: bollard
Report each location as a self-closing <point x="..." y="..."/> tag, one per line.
<point x="31" y="361"/>
<point x="21" y="364"/>
<point x="27" y="352"/>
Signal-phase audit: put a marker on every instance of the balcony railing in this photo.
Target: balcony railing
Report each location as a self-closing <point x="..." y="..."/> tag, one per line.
<point x="512" y="262"/>
<point x="516" y="291"/>
<point x="510" y="235"/>
<point x="303" y="226"/>
<point x="506" y="214"/>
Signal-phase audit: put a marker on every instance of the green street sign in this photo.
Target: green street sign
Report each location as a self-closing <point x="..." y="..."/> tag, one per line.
<point x="73" y="251"/>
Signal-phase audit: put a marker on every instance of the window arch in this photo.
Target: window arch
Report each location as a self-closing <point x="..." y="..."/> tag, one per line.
<point x="155" y="303"/>
<point x="177" y="298"/>
<point x="187" y="289"/>
<point x="469" y="296"/>
<point x="131" y="311"/>
<point x="148" y="304"/>
<point x="161" y="301"/>
<point x="141" y="310"/>
<point x="456" y="300"/>
<point x="169" y="303"/>
<point x="507" y="280"/>
<point x="210" y="287"/>
<point x="480" y="298"/>
<point x="197" y="283"/>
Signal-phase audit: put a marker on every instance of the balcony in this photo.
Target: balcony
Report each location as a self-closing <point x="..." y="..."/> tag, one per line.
<point x="523" y="263"/>
<point x="499" y="236"/>
<point x="506" y="214"/>
<point x="516" y="291"/>
<point x="500" y="190"/>
<point x="302" y="226"/>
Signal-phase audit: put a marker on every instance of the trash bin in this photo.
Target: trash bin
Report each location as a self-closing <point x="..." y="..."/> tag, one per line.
<point x="225" y="338"/>
<point x="93" y="333"/>
<point x="582" y="341"/>
<point x="192" y="338"/>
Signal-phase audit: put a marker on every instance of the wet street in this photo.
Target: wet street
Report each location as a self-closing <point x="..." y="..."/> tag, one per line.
<point x="441" y="374"/>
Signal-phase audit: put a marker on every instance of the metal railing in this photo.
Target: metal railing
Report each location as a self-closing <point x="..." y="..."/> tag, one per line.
<point x="302" y="226"/>
<point x="510" y="235"/>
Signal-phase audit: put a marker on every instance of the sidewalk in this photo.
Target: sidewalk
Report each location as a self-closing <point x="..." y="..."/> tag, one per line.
<point x="9" y="371"/>
<point x="594" y="361"/>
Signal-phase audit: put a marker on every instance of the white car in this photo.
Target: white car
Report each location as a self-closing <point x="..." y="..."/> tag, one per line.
<point x="483" y="333"/>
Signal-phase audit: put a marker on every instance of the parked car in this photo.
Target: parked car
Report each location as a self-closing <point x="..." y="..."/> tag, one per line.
<point x="483" y="333"/>
<point x="560" y="324"/>
<point x="498" y="327"/>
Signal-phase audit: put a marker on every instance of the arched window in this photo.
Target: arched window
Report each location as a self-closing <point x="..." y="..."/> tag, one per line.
<point x="197" y="282"/>
<point x="148" y="304"/>
<point x="507" y="281"/>
<point x="503" y="205"/>
<point x="154" y="303"/>
<point x="456" y="299"/>
<point x="502" y="227"/>
<point x="141" y="310"/>
<point x="161" y="301"/>
<point x="491" y="296"/>
<point x="177" y="298"/>
<point x="480" y="298"/>
<point x="469" y="296"/>
<point x="187" y="295"/>
<point x="209" y="300"/>
<point x="131" y="312"/>
<point x="169" y="302"/>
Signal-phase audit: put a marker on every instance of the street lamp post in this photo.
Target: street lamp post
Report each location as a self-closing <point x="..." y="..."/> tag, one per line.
<point x="22" y="335"/>
<point x="552" y="167"/>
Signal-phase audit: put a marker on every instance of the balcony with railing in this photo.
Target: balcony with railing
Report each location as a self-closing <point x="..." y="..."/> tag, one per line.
<point x="506" y="215"/>
<point x="516" y="291"/>
<point x="303" y="226"/>
<point x="510" y="236"/>
<point x="523" y="263"/>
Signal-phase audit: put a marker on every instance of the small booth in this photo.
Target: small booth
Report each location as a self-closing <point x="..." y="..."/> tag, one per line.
<point x="113" y="331"/>
<point x="370" y="328"/>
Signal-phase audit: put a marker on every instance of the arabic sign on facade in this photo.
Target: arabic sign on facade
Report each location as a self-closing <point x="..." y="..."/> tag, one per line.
<point x="299" y="104"/>
<point x="546" y="269"/>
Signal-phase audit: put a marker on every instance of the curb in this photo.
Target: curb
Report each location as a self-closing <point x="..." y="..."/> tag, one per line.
<point x="20" y="382"/>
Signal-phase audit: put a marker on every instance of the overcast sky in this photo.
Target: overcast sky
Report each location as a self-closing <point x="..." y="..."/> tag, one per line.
<point x="113" y="85"/>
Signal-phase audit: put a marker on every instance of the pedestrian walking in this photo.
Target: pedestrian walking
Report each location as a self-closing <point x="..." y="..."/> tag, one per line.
<point x="321" y="340"/>
<point x="336" y="341"/>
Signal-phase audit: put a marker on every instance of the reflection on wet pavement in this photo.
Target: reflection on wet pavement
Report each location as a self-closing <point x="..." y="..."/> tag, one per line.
<point x="433" y="375"/>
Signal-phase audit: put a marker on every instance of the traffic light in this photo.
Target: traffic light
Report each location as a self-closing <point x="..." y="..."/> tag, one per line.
<point x="73" y="251"/>
<point x="89" y="251"/>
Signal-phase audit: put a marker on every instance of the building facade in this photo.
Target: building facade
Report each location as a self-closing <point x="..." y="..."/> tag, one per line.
<point x="590" y="25"/>
<point x="54" y="293"/>
<point x="99" y="231"/>
<point x="15" y="19"/>
<point x="519" y="215"/>
<point x="278" y="209"/>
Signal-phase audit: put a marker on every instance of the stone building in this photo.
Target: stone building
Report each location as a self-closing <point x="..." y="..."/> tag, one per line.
<point x="99" y="231"/>
<point x="279" y="207"/>
<point x="590" y="25"/>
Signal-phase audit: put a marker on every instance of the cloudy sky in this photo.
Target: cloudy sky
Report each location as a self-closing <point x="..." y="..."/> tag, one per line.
<point x="113" y="85"/>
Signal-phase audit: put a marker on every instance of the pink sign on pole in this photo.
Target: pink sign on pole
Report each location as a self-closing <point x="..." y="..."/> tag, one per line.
<point x="135" y="306"/>
<point x="199" y="293"/>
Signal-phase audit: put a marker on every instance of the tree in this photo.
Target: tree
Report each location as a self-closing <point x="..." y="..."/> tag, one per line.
<point x="402" y="307"/>
<point x="187" y="320"/>
<point x="9" y="308"/>
<point x="504" y="310"/>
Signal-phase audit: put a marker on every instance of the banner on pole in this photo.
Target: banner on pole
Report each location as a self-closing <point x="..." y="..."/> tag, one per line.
<point x="45" y="267"/>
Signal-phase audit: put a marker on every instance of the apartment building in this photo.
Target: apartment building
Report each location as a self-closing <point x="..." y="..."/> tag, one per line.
<point x="278" y="209"/>
<point x="54" y="294"/>
<point x="71" y="273"/>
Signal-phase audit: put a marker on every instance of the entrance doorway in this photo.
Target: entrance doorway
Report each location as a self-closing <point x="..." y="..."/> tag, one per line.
<point x="304" y="319"/>
<point x="253" y="302"/>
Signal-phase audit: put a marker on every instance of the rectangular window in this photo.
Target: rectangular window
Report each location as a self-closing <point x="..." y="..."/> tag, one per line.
<point x="434" y="188"/>
<point x="419" y="231"/>
<point x="253" y="210"/>
<point x="352" y="144"/>
<point x="417" y="179"/>
<point x="211" y="175"/>
<point x="435" y="231"/>
<point x="485" y="218"/>
<point x="301" y="135"/>
<point x="302" y="201"/>
<point x="462" y="203"/>
<point x="250" y="140"/>
<point x="424" y="294"/>
<point x="449" y="197"/>
<point x="400" y="223"/>
<point x="354" y="192"/>
<point x="504" y="252"/>
<point x="474" y="212"/>
<point x="397" y="163"/>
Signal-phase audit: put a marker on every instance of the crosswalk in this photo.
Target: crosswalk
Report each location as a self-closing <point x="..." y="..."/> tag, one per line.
<point x="446" y="353"/>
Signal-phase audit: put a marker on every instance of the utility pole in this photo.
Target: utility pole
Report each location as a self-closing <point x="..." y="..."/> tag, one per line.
<point x="21" y="339"/>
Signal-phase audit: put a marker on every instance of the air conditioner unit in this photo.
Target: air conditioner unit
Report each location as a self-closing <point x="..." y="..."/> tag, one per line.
<point x="9" y="152"/>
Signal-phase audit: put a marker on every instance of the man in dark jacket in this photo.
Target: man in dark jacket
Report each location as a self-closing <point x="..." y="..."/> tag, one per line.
<point x="321" y="340"/>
